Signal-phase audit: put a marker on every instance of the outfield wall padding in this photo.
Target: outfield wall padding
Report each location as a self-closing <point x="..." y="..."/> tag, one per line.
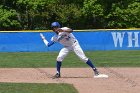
<point x="89" y="41"/>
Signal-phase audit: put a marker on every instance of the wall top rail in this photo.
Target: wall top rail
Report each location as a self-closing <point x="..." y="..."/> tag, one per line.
<point x="85" y="30"/>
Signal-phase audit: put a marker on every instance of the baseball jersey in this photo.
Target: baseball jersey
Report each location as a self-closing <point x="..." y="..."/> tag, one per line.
<point x="64" y="38"/>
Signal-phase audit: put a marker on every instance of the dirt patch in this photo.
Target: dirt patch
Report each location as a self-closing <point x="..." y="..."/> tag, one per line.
<point x="121" y="80"/>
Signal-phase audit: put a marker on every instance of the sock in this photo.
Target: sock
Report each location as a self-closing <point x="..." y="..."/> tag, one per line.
<point x="58" y="66"/>
<point x="91" y="65"/>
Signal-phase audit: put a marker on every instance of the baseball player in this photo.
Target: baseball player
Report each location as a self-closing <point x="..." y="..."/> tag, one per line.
<point x="65" y="37"/>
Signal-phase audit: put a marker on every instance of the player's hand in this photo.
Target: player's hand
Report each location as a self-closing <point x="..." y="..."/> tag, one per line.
<point x="44" y="40"/>
<point x="42" y="36"/>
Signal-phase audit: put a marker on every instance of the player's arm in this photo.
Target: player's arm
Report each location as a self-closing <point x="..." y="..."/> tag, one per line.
<point x="46" y="41"/>
<point x="65" y="29"/>
<point x="69" y="30"/>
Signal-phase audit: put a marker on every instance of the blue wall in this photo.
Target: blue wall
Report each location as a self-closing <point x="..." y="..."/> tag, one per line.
<point x="97" y="40"/>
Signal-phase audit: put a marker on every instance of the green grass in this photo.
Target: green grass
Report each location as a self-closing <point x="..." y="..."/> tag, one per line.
<point x="36" y="88"/>
<point x="48" y="59"/>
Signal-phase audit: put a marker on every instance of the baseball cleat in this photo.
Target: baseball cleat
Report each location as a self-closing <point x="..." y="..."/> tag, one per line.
<point x="96" y="72"/>
<point x="101" y="76"/>
<point x="57" y="75"/>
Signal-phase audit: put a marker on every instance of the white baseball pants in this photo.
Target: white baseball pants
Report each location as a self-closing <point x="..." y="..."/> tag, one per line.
<point x="76" y="48"/>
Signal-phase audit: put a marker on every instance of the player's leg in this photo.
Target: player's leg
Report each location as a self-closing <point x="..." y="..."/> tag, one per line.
<point x="79" y="52"/>
<point x="62" y="54"/>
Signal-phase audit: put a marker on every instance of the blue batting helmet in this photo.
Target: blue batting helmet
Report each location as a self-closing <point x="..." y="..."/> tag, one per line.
<point x="55" y="24"/>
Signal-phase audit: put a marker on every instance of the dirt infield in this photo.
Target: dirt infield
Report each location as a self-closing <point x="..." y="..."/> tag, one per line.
<point x="121" y="80"/>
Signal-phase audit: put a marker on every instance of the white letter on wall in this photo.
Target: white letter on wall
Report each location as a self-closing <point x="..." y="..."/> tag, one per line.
<point x="130" y="39"/>
<point x="118" y="37"/>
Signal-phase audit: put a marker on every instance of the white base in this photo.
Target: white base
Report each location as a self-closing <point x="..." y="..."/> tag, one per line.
<point x="101" y="76"/>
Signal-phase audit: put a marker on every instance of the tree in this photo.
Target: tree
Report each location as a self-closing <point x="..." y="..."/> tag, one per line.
<point x="31" y="13"/>
<point x="79" y="14"/>
<point x="8" y="19"/>
<point x="124" y="14"/>
<point x="94" y="13"/>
